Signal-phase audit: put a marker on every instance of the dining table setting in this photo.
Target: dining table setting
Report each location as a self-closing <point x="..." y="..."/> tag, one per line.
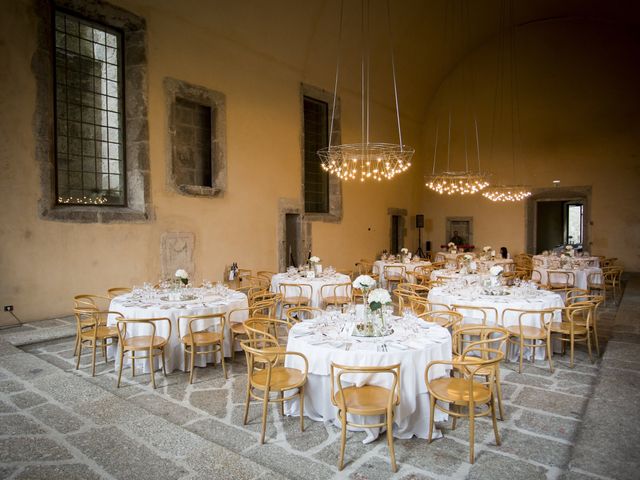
<point x="173" y="302"/>
<point x="335" y="337"/>
<point x="316" y="280"/>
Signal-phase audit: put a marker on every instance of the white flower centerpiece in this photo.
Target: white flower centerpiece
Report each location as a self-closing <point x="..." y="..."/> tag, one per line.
<point x="365" y="284"/>
<point x="495" y="273"/>
<point x="452" y="247"/>
<point x="377" y="299"/>
<point x="314" y="265"/>
<point x="486" y="252"/>
<point x="406" y="256"/>
<point x="182" y="276"/>
<point x="568" y="249"/>
<point x="468" y="265"/>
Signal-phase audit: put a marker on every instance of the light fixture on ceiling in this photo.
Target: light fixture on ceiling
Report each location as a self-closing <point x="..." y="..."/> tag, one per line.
<point x="449" y="180"/>
<point x="506" y="55"/>
<point x="366" y="160"/>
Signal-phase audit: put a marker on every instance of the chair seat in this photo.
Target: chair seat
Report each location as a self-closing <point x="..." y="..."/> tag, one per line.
<point x="144" y="342"/>
<point x="296" y="300"/>
<point x="565" y="328"/>
<point x="337" y="300"/>
<point x="560" y="286"/>
<point x="365" y="400"/>
<point x="238" y="328"/>
<point x="394" y="278"/>
<point x="456" y="390"/>
<point x="103" y="332"/>
<point x="202" y="338"/>
<point x="536" y="333"/>
<point x="282" y="378"/>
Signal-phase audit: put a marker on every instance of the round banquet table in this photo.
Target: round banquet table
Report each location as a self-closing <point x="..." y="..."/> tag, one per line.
<point x="538" y="300"/>
<point x="316" y="284"/>
<point x="580" y="275"/>
<point x="378" y="266"/>
<point x="206" y="303"/>
<point x="413" y="344"/>
<point x="547" y="260"/>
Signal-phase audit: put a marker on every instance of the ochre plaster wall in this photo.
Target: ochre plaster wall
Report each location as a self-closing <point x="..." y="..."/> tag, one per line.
<point x="44" y="263"/>
<point x="580" y="123"/>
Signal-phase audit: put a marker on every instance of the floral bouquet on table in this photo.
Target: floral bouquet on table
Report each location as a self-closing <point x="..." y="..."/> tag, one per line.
<point x="453" y="248"/>
<point x="377" y="299"/>
<point x="495" y="273"/>
<point x="568" y="249"/>
<point x="314" y="265"/>
<point x="406" y="256"/>
<point x="364" y="283"/>
<point x="486" y="252"/>
<point x="182" y="276"/>
<point x="468" y="265"/>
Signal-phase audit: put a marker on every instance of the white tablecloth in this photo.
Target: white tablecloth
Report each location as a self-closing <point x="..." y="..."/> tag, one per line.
<point x="547" y="260"/>
<point x="421" y="345"/>
<point x="580" y="275"/>
<point x="316" y="284"/>
<point x="174" y="352"/>
<point x="378" y="267"/>
<point x="542" y="300"/>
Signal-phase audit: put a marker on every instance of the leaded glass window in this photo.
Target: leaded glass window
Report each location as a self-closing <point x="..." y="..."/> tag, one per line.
<point x="316" y="136"/>
<point x="90" y="163"/>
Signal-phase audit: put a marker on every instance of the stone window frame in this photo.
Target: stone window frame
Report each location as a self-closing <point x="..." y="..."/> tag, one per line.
<point x="215" y="100"/>
<point x="335" y="185"/>
<point x="138" y="188"/>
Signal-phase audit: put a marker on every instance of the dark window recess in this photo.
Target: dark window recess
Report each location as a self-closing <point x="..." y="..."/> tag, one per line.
<point x="89" y="130"/>
<point x="193" y="135"/>
<point x="316" y="136"/>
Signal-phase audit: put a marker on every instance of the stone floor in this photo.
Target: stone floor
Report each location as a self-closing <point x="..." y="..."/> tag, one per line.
<point x="56" y="422"/>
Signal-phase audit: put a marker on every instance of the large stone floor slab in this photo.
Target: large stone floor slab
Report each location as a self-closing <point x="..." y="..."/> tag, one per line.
<point x="56" y="422"/>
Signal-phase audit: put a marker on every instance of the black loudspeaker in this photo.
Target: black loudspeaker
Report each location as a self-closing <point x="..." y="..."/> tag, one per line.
<point x="428" y="245"/>
<point x="419" y="221"/>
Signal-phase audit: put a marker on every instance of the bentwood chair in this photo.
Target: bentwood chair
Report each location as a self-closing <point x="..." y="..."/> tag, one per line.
<point x="596" y="301"/>
<point x="465" y="391"/>
<point x="480" y="316"/>
<point x="336" y="295"/>
<point x="137" y="344"/>
<point x="533" y="336"/>
<point x="266" y="373"/>
<point x="467" y="337"/>
<point x="295" y="295"/>
<point x="237" y="317"/>
<point x="87" y="302"/>
<point x="445" y="318"/>
<point x="202" y="331"/>
<point x="575" y="326"/>
<point x="560" y="281"/>
<point x="117" y="291"/>
<point x="394" y="274"/>
<point x="300" y="314"/>
<point x="574" y="295"/>
<point x="261" y="328"/>
<point x="266" y="275"/>
<point x="365" y="400"/>
<point x="92" y="331"/>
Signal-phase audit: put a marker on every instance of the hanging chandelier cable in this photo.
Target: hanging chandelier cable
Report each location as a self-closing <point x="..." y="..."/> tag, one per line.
<point x="365" y="160"/>
<point x="450" y="181"/>
<point x="514" y="192"/>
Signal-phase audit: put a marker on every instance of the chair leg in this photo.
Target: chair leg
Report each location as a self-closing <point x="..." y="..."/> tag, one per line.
<point x="133" y="364"/>
<point x="589" y="347"/>
<point x="548" y="342"/>
<point x="224" y="366"/>
<point x="93" y="360"/>
<point x="392" y="453"/>
<point x="343" y="438"/>
<point x="121" y="362"/>
<point x="265" y="405"/>
<point x="164" y="364"/>
<point x="432" y="401"/>
<point x="151" y="367"/>
<point x="472" y="431"/>
<point x="499" y="393"/>
<point x="595" y="339"/>
<point x="521" y="353"/>
<point x="79" y="355"/>
<point x="246" y="403"/>
<point x="301" y="394"/>
<point x="77" y="344"/>
<point x="192" y="363"/>
<point x="281" y="402"/>
<point x="495" y="423"/>
<point x="571" y="348"/>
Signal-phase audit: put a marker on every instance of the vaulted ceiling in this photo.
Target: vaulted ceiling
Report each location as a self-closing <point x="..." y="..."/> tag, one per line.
<point x="430" y="36"/>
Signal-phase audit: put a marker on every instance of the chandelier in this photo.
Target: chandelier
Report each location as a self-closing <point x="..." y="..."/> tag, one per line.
<point x="514" y="192"/>
<point x="366" y="160"/>
<point x="450" y="181"/>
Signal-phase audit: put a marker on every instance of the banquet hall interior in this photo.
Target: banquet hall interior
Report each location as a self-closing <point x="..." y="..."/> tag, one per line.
<point x="323" y="238"/>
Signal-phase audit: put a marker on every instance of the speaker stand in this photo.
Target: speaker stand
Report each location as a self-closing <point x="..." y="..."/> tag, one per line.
<point x="419" y="250"/>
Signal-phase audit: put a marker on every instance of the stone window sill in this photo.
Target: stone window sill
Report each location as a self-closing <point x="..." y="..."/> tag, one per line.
<point x="198" y="191"/>
<point x="82" y="214"/>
